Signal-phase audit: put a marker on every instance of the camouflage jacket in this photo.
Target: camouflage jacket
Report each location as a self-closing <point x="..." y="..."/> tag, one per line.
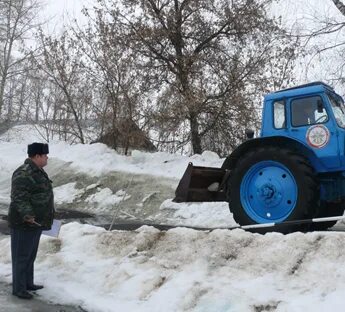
<point x="31" y="194"/>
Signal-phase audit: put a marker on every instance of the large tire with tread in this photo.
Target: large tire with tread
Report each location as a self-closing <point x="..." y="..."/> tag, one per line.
<point x="272" y="185"/>
<point x="328" y="210"/>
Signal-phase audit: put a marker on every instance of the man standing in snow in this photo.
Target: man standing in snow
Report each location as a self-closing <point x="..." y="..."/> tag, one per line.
<point x="31" y="211"/>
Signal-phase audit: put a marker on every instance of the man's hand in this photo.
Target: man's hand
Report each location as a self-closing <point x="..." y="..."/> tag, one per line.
<point x="29" y="219"/>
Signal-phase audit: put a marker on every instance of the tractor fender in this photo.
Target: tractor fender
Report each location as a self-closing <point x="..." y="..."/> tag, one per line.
<point x="231" y="160"/>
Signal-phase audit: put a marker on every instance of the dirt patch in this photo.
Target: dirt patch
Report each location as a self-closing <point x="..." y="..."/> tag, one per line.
<point x="266" y="307"/>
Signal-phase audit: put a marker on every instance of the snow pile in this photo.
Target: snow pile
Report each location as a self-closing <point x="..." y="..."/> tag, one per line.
<point x="98" y="159"/>
<point x="105" y="198"/>
<point x="176" y="270"/>
<point x="199" y="214"/>
<point x="188" y="270"/>
<point x="66" y="193"/>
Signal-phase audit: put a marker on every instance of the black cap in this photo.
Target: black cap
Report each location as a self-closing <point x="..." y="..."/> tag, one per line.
<point x="37" y="148"/>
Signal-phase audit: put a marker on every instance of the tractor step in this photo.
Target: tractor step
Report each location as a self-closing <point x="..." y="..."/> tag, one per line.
<point x="165" y="227"/>
<point x="286" y="223"/>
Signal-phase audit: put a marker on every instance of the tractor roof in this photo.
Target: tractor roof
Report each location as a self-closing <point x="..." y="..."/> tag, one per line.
<point x="309" y="88"/>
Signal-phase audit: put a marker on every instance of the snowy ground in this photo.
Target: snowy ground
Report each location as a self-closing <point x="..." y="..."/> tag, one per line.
<point x="94" y="178"/>
<point x="176" y="270"/>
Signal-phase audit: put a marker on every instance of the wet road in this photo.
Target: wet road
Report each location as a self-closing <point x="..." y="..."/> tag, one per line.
<point x="9" y="303"/>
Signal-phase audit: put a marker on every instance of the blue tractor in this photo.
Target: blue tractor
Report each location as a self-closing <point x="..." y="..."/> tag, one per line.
<point x="295" y="170"/>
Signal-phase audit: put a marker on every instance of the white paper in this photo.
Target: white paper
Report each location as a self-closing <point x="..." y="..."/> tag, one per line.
<point x="55" y="230"/>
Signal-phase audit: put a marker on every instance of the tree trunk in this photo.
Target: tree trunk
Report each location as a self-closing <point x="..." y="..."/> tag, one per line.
<point x="195" y="135"/>
<point x="2" y="92"/>
<point x="340" y="6"/>
<point x="75" y="115"/>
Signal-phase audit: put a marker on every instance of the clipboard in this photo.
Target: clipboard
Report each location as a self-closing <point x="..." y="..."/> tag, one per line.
<point x="55" y="230"/>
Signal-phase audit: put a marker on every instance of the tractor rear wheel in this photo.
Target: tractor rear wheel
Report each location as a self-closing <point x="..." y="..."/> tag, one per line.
<point x="272" y="185"/>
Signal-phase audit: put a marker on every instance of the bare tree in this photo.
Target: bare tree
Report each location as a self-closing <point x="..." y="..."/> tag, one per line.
<point x="111" y="66"/>
<point x="61" y="62"/>
<point x="340" y="6"/>
<point x="206" y="61"/>
<point x="325" y="42"/>
<point x="17" y="20"/>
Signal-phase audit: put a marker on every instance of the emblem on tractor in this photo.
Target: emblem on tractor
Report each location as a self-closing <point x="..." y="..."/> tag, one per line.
<point x="318" y="136"/>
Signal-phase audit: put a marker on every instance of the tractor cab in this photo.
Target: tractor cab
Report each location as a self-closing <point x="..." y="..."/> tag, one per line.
<point x="302" y="106"/>
<point x="312" y="118"/>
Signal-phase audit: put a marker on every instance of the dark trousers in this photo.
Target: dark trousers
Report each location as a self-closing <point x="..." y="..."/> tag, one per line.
<point x="24" y="246"/>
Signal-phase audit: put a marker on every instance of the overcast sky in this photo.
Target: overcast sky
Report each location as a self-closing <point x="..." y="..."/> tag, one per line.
<point x="301" y="12"/>
<point x="59" y="12"/>
<point x="301" y="15"/>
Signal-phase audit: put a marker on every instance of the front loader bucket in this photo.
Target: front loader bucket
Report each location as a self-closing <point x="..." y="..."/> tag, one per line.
<point x="200" y="184"/>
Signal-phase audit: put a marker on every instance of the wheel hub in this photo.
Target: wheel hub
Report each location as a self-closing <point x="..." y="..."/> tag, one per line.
<point x="269" y="194"/>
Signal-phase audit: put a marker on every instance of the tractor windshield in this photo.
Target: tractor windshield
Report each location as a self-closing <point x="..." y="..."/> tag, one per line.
<point x="338" y="108"/>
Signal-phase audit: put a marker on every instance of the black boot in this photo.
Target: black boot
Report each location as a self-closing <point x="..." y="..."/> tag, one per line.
<point x="34" y="287"/>
<point x="23" y="294"/>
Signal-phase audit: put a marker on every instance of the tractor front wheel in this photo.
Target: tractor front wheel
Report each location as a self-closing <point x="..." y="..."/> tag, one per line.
<point x="272" y="185"/>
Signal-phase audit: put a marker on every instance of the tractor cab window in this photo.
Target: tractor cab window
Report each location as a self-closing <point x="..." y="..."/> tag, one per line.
<point x="308" y="111"/>
<point x="338" y="108"/>
<point x="279" y="114"/>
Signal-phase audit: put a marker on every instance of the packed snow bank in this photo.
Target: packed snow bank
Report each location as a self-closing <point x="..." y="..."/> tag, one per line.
<point x="209" y="215"/>
<point x="106" y="176"/>
<point x="98" y="159"/>
<point x="177" y="270"/>
<point x="188" y="270"/>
